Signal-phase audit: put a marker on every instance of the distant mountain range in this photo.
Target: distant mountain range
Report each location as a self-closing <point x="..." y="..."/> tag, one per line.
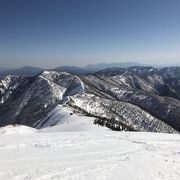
<point x="134" y="98"/>
<point x="24" y="71"/>
<point x="102" y="66"/>
<point x="30" y="71"/>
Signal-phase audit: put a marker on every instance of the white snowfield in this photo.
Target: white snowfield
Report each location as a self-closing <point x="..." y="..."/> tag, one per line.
<point x="87" y="153"/>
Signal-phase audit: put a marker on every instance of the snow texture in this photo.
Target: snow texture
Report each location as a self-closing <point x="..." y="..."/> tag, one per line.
<point x="16" y="129"/>
<point x="89" y="155"/>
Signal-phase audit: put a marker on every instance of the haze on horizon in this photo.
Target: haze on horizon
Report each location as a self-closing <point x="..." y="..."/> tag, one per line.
<point x="48" y="33"/>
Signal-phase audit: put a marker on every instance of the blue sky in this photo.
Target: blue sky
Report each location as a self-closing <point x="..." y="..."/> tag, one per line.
<point x="50" y="33"/>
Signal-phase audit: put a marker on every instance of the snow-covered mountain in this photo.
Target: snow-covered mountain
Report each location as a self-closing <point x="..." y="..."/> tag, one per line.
<point x="135" y="98"/>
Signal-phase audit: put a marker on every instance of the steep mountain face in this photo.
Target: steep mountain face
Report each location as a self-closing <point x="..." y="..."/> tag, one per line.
<point x="154" y="90"/>
<point x="136" y="98"/>
<point x="8" y="85"/>
<point x="36" y="97"/>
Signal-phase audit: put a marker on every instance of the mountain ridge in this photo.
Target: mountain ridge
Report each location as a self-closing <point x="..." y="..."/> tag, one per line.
<point x="119" y="98"/>
<point x="91" y="68"/>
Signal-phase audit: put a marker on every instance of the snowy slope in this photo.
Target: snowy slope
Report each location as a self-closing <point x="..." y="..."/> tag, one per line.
<point x="62" y="119"/>
<point x="90" y="155"/>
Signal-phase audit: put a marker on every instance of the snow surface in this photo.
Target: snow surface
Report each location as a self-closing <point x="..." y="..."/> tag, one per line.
<point x="16" y="129"/>
<point x="62" y="119"/>
<point x="66" y="121"/>
<point x="89" y="154"/>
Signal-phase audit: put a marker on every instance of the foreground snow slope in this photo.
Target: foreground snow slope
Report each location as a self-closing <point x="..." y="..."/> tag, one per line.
<point x="16" y="129"/>
<point x="90" y="155"/>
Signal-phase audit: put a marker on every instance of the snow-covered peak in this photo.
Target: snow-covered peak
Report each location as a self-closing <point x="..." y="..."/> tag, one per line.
<point x="71" y="84"/>
<point x="51" y="73"/>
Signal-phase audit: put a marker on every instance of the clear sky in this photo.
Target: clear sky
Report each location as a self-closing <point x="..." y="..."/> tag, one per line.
<point x="49" y="33"/>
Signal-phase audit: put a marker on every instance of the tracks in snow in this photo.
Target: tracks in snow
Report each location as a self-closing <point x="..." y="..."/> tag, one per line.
<point x="90" y="155"/>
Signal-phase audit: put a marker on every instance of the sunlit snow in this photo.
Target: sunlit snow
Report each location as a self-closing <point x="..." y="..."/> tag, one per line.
<point x="65" y="153"/>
